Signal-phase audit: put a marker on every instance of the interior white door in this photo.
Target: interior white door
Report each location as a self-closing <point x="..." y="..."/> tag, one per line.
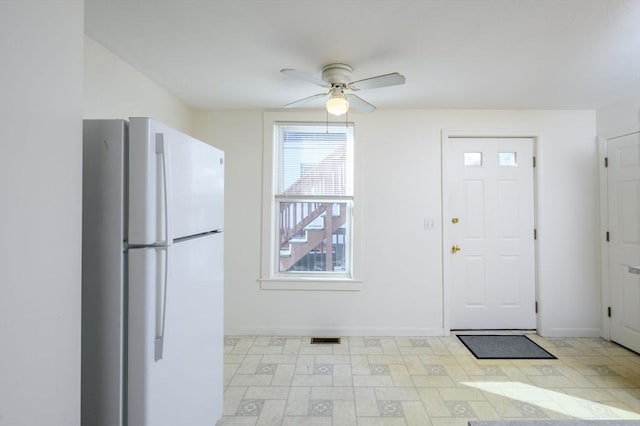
<point x="489" y="233"/>
<point x="624" y="239"/>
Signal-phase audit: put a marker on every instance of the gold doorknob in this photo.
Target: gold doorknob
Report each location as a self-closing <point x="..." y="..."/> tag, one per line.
<point x="455" y="249"/>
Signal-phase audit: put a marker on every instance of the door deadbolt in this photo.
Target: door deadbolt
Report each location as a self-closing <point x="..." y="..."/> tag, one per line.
<point x="455" y="220"/>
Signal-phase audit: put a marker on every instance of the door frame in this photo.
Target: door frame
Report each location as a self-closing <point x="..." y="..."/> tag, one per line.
<point x="537" y="207"/>
<point x="603" y="181"/>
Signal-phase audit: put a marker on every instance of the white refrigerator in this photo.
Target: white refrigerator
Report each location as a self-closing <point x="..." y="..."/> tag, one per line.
<point x="152" y="276"/>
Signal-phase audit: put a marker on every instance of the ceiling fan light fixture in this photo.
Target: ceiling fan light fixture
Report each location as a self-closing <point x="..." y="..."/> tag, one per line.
<point x="337" y="103"/>
<point x="337" y="78"/>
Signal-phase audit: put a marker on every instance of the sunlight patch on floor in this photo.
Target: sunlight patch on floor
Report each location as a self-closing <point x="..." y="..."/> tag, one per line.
<point x="551" y="400"/>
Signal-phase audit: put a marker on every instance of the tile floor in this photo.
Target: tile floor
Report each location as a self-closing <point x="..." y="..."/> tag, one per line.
<point x="405" y="381"/>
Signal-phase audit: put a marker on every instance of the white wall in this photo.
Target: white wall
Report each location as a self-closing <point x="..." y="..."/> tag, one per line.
<point x="40" y="211"/>
<point x="114" y="89"/>
<point x="619" y="117"/>
<point x="402" y="267"/>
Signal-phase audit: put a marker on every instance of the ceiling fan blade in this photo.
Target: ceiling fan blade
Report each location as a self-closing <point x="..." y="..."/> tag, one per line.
<point x="304" y="101"/>
<point x="359" y="104"/>
<point x="392" y="79"/>
<point x="304" y="76"/>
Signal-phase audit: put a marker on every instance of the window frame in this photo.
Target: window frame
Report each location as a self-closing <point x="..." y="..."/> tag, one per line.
<point x="271" y="278"/>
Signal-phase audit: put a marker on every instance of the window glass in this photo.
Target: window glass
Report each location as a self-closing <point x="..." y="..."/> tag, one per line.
<point x="507" y="159"/>
<point x="473" y="159"/>
<point x="313" y="198"/>
<point x="314" y="236"/>
<point x="314" y="161"/>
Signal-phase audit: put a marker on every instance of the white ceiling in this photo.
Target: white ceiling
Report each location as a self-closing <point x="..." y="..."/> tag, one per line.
<point x="549" y="54"/>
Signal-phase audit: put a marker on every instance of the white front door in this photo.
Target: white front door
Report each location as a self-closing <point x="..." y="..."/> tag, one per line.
<point x="624" y="239"/>
<point x="488" y="233"/>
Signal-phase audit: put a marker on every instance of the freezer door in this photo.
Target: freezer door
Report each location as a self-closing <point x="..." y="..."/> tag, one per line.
<point x="176" y="184"/>
<point x="175" y="337"/>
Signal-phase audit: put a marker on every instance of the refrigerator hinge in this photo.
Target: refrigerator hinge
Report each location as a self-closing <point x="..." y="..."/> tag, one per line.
<point x="159" y="143"/>
<point x="157" y="348"/>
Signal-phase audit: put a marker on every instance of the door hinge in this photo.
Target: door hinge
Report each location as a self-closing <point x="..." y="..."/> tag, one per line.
<point x="535" y="234"/>
<point x="534" y="161"/>
<point x="609" y="311"/>
<point x="608" y="236"/>
<point x="606" y="161"/>
<point x="536" y="307"/>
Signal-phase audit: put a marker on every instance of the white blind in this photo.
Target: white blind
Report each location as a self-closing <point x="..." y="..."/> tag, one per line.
<point x="315" y="160"/>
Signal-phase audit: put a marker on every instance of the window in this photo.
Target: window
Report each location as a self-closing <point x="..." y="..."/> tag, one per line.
<point x="313" y="199"/>
<point x="310" y="234"/>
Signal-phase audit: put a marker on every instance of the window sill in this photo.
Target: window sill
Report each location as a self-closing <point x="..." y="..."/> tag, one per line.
<point x="311" y="284"/>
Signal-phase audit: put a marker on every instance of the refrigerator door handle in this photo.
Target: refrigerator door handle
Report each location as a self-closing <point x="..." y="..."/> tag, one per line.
<point x="162" y="149"/>
<point x="161" y="307"/>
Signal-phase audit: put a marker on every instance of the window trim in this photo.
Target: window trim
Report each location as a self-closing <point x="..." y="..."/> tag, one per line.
<point x="270" y="278"/>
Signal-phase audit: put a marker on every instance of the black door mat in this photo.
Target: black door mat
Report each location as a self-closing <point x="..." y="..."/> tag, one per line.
<point x="503" y="347"/>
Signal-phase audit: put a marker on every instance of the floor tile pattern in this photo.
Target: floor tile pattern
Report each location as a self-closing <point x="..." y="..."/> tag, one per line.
<point x="418" y="381"/>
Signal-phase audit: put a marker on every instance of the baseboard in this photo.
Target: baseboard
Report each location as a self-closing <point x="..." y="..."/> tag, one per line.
<point x="385" y="332"/>
<point x="570" y="332"/>
<point x="335" y="332"/>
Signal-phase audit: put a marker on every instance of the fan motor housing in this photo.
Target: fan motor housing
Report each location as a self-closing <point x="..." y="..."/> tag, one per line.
<point x="337" y="73"/>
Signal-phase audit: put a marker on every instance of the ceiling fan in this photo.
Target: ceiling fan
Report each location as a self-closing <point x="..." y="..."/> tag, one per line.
<point x="336" y="78"/>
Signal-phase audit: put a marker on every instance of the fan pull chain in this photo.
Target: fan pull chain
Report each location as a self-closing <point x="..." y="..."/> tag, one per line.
<point x="327" y="121"/>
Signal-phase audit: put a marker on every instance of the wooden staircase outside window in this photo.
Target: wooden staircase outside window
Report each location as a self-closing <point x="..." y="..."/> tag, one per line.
<point x="318" y="232"/>
<point x="312" y="234"/>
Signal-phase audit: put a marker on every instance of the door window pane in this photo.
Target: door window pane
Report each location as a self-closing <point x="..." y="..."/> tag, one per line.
<point x="473" y="159"/>
<point x="507" y="159"/>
